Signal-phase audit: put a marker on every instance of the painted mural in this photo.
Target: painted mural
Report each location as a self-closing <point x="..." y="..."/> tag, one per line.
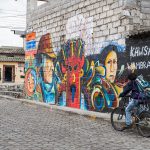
<point x="107" y="82"/>
<point x="30" y="72"/>
<point x="73" y="79"/>
<point x="138" y="53"/>
<point x="40" y="79"/>
<point x="76" y="72"/>
<point x="93" y="82"/>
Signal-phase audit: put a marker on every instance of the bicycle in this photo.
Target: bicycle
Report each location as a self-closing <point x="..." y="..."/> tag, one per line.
<point x="140" y="117"/>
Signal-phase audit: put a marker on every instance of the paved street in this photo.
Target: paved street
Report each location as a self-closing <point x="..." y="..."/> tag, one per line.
<point x="33" y="127"/>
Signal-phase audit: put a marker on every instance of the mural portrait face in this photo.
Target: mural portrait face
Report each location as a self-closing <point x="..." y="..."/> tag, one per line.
<point x="107" y="80"/>
<point x="111" y="66"/>
<point x="48" y="68"/>
<point x="30" y="81"/>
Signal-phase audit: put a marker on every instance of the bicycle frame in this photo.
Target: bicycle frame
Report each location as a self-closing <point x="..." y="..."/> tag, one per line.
<point x="140" y="117"/>
<point x="138" y="110"/>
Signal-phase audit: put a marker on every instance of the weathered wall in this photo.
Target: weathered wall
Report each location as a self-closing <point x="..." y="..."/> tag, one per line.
<point x="95" y="21"/>
<point x="77" y="56"/>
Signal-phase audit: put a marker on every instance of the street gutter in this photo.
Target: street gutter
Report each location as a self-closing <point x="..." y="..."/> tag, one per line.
<point x="91" y="114"/>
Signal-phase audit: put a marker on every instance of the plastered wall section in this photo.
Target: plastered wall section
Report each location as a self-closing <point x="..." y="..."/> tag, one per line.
<point x="19" y="71"/>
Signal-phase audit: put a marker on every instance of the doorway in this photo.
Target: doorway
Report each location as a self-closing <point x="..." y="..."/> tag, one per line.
<point x="8" y="73"/>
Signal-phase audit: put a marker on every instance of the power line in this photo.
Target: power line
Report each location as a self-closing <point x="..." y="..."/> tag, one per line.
<point x="17" y="21"/>
<point x="12" y="16"/>
<point x="10" y="10"/>
<point x="15" y="13"/>
<point x="20" y="25"/>
<point x="12" y="27"/>
<point x="12" y="22"/>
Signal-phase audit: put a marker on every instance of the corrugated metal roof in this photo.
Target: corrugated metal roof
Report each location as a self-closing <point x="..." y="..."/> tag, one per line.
<point x="11" y="50"/>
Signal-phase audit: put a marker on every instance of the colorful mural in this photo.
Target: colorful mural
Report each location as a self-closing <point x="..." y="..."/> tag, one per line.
<point x="30" y="72"/>
<point x="70" y="78"/>
<point x="106" y="85"/>
<point x="40" y="77"/>
<point x="138" y="53"/>
<point x="71" y="66"/>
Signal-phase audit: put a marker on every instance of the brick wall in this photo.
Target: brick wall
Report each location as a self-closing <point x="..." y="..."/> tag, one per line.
<point x="104" y="15"/>
<point x="112" y="19"/>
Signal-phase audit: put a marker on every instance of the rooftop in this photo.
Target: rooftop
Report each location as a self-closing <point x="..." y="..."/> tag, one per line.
<point x="11" y="50"/>
<point x="12" y="59"/>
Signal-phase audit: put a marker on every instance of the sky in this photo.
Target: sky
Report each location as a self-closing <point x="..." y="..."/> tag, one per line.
<point x="12" y="17"/>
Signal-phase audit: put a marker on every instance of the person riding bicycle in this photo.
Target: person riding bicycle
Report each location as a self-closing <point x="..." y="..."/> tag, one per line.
<point x="132" y="87"/>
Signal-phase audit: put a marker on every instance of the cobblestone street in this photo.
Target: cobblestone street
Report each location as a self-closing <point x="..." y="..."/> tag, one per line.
<point x="33" y="127"/>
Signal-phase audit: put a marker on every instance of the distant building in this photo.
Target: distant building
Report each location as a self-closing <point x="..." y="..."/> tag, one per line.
<point x="11" y="64"/>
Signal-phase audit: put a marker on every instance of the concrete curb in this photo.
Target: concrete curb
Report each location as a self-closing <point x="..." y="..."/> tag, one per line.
<point x="91" y="114"/>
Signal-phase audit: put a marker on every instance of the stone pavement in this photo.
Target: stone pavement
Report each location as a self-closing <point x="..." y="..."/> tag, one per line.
<point x="27" y="126"/>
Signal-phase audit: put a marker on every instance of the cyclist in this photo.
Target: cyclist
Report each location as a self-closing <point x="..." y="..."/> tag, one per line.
<point x="132" y="87"/>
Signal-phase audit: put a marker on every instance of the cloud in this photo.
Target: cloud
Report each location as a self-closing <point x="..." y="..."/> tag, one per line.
<point x="9" y="8"/>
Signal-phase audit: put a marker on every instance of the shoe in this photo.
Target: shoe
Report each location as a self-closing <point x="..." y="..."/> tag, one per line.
<point x="127" y="126"/>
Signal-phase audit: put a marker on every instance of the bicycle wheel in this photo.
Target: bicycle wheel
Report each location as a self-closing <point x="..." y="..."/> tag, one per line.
<point x="143" y="124"/>
<point x="118" y="118"/>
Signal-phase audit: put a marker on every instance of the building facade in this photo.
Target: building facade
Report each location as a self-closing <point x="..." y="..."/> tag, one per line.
<point x="78" y="52"/>
<point x="11" y="65"/>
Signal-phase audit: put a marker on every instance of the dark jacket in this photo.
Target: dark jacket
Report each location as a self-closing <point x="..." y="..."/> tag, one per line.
<point x="130" y="87"/>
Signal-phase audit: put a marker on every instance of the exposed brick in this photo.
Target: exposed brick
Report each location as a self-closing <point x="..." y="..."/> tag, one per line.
<point x="103" y="27"/>
<point x="81" y="4"/>
<point x="110" y="25"/>
<point x="116" y="24"/>
<point x="100" y="22"/>
<point x="96" y="17"/>
<point x="113" y="30"/>
<point x="87" y="2"/>
<point x="129" y="27"/>
<point x="106" y="32"/>
<point x="106" y="8"/>
<point x="117" y="11"/>
<point x="99" y="10"/>
<point x="107" y="20"/>
<point x="121" y="29"/>
<point x="115" y="18"/>
<point x="104" y="12"/>
<point x="102" y="3"/>
<point x="92" y="12"/>
<point x="110" y="13"/>
<point x="110" y="1"/>
<point x="114" y="5"/>
<point x="103" y="15"/>
<point x="96" y="5"/>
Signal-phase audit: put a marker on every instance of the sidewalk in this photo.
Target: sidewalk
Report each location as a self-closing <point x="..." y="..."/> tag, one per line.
<point x="92" y="114"/>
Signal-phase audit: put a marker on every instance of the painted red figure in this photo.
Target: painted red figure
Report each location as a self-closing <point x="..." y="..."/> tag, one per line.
<point x="72" y="68"/>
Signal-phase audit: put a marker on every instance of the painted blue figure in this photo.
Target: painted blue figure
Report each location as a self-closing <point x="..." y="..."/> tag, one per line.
<point x="48" y="86"/>
<point x="47" y="79"/>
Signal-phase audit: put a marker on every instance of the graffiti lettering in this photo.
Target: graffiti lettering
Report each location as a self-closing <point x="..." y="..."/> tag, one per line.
<point x="142" y="64"/>
<point x="139" y="51"/>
